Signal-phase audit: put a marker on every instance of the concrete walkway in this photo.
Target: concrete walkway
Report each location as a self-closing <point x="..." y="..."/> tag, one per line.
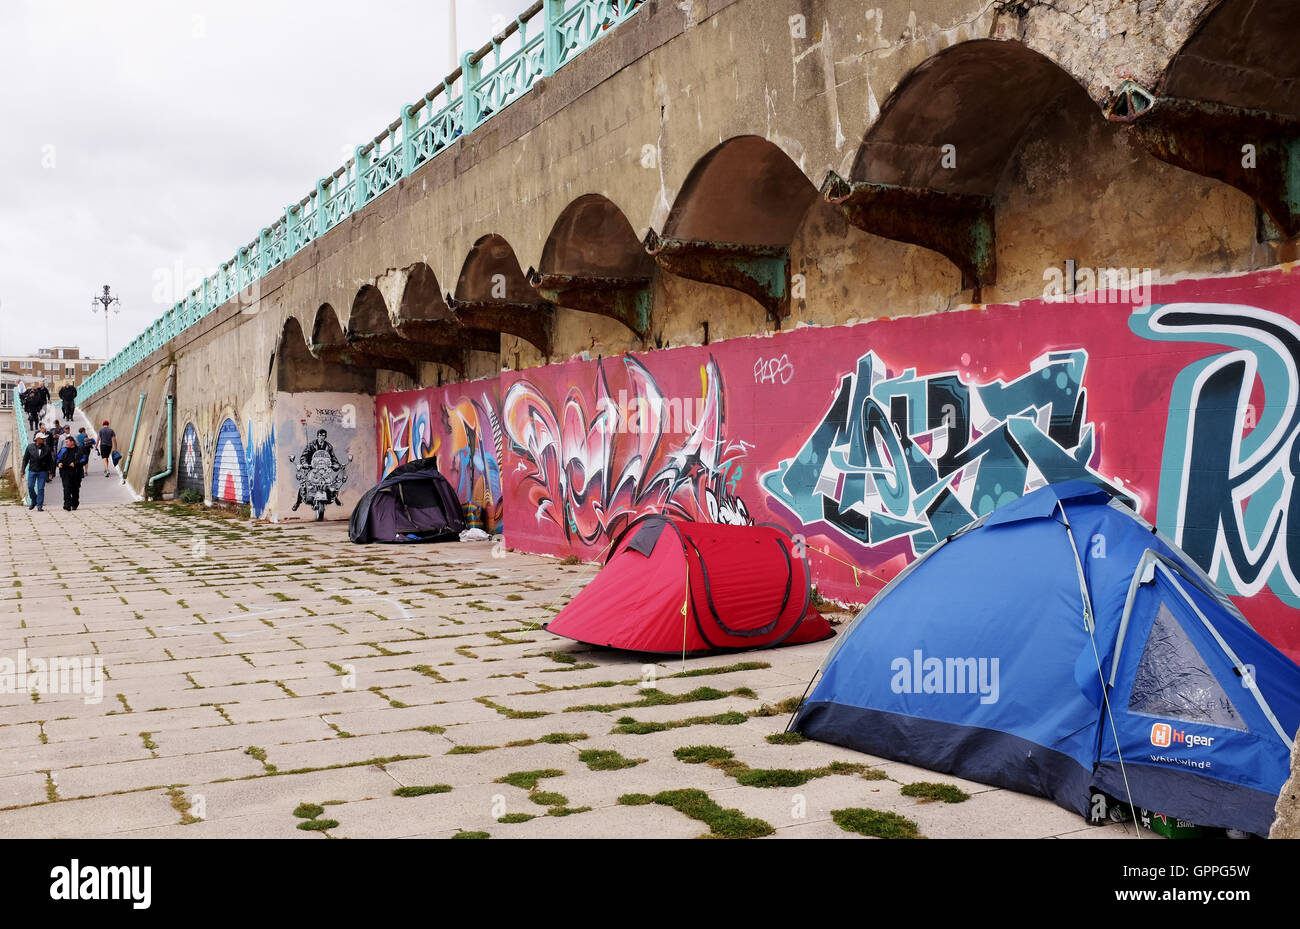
<point x="96" y="490"/>
<point x="254" y="668"/>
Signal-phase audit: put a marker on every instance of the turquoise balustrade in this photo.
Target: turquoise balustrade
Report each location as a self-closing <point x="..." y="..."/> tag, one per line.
<point x="545" y="37"/>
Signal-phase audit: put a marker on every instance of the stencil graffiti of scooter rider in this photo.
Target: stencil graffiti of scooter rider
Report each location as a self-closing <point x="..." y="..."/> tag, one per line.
<point x="317" y="467"/>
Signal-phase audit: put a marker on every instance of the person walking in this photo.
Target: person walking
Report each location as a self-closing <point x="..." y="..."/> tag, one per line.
<point x="82" y="439"/>
<point x="107" y="445"/>
<point x="72" y="468"/>
<point x="39" y="465"/>
<point x="68" y="394"/>
<point x="42" y="400"/>
<point x="32" y="407"/>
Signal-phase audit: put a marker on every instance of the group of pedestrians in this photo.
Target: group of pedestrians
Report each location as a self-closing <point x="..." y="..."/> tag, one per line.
<point x="36" y="398"/>
<point x="62" y="452"/>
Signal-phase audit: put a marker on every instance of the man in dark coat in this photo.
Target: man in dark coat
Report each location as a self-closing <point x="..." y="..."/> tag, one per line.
<point x="72" y="468"/>
<point x="39" y="465"/>
<point x="68" y="394"/>
<point x="42" y="397"/>
<point x="32" y="407"/>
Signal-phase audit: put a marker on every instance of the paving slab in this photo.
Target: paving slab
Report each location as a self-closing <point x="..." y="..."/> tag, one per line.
<point x="206" y="661"/>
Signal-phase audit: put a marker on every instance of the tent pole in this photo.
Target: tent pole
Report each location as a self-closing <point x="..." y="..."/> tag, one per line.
<point x="1090" y="625"/>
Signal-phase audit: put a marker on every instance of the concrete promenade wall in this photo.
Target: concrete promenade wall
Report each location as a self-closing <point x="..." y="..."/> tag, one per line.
<point x="873" y="441"/>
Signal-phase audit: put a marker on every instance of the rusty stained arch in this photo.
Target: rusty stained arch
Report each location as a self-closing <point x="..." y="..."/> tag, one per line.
<point x="371" y="330"/>
<point x="329" y="343"/>
<point x="1234" y="83"/>
<point x="592" y="261"/>
<point x="928" y="169"/>
<point x="734" y="219"/>
<point x="493" y="294"/>
<point x="423" y="316"/>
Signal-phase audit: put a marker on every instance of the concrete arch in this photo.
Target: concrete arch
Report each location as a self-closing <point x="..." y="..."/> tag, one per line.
<point x="492" y="293"/>
<point x="1228" y="107"/>
<point x="937" y="129"/>
<point x="594" y="262"/>
<point x="329" y="343"/>
<point x="927" y="170"/>
<point x="733" y="220"/>
<point x="297" y="369"/>
<point x="423" y="316"/>
<point x="421" y="297"/>
<point x="1243" y="54"/>
<point x="370" y="329"/>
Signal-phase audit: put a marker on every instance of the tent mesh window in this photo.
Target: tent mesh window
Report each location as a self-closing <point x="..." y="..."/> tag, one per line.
<point x="1173" y="681"/>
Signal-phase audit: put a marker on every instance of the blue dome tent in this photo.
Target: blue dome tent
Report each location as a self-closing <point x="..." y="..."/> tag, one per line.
<point x="1061" y="646"/>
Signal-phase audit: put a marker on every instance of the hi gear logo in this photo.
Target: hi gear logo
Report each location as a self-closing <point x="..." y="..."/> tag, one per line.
<point x="1163" y="736"/>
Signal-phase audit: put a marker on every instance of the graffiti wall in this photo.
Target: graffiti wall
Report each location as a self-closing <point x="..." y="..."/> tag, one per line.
<point x="322" y="454"/>
<point x="460" y="426"/>
<point x="190" y="475"/>
<point x="875" y="441"/>
<point x="229" y="469"/>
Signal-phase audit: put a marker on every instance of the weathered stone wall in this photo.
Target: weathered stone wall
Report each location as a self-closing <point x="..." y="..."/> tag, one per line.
<point x="634" y="115"/>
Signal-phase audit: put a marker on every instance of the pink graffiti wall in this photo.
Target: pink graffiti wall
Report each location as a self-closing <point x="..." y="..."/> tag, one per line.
<point x="458" y="425"/>
<point x="876" y="441"/>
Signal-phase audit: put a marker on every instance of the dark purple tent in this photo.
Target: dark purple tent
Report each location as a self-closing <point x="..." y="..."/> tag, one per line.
<point x="414" y="503"/>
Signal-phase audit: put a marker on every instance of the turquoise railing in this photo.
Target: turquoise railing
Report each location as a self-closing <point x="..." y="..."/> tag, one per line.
<point x="20" y="417"/>
<point x="542" y="39"/>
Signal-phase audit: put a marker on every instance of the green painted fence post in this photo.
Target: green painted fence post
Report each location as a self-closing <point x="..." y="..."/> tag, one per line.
<point x="263" y="247"/>
<point x="321" y="222"/>
<point x="408" y="140"/>
<point x="290" y="229"/>
<point x="362" y="163"/>
<point x="552" y="39"/>
<point x="469" y="107"/>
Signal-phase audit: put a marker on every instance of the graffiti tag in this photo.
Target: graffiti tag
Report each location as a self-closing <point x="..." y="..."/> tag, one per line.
<point x="1228" y="478"/>
<point x="913" y="457"/>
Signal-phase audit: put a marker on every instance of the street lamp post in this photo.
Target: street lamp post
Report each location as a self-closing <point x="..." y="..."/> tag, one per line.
<point x="105" y="300"/>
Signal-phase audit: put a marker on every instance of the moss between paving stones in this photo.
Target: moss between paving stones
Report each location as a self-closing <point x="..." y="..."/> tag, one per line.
<point x="694" y="672"/>
<point x="607" y="760"/>
<point x="698" y="754"/>
<point x="653" y="697"/>
<point x="629" y="726"/>
<point x="509" y="713"/>
<point x="471" y="835"/>
<point x="548" y="798"/>
<point x="722" y="823"/>
<point x="876" y="823"/>
<point x="786" y="738"/>
<point x="318" y="825"/>
<point x="527" y="780"/>
<point x="414" y="791"/>
<point x="724" y="760"/>
<point x="928" y="792"/>
<point x="516" y="818"/>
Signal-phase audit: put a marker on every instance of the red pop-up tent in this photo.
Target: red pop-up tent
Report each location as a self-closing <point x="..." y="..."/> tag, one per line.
<point x="673" y="586"/>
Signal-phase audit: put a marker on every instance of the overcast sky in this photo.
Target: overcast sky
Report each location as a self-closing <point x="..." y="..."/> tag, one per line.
<point x="143" y="141"/>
